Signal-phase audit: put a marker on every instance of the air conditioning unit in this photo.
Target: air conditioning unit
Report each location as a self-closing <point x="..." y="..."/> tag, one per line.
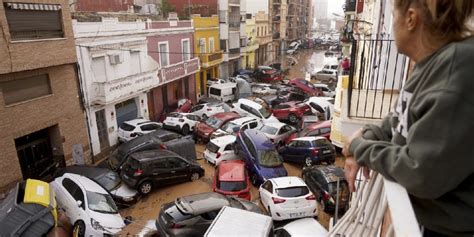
<point x="116" y="59"/>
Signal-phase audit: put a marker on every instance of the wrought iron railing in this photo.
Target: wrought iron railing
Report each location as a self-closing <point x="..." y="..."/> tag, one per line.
<point x="375" y="78"/>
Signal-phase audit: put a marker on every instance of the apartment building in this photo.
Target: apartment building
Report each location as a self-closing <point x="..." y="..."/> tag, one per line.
<point x="278" y="11"/>
<point x="265" y="53"/>
<point x="41" y="116"/>
<point x="249" y="51"/>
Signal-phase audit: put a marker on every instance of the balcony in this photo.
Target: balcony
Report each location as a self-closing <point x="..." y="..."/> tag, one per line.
<point x="379" y="208"/>
<point x="234" y="25"/>
<point x="350" y="6"/>
<point x="262" y="40"/>
<point x="179" y="70"/>
<point x="234" y="2"/>
<point x="276" y="36"/>
<point x="276" y="19"/>
<point x="233" y="54"/>
<point x="211" y="59"/>
<point x="276" y="2"/>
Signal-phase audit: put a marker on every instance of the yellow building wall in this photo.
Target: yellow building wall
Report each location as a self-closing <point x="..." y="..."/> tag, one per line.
<point x="251" y="29"/>
<point x="205" y="28"/>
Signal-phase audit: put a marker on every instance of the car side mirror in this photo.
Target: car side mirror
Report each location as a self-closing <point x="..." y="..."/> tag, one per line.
<point x="79" y="203"/>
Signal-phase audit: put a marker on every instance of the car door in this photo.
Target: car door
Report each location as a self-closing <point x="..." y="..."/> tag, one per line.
<point x="72" y="193"/>
<point x="197" y="110"/>
<point x="266" y="193"/>
<point x="161" y="174"/>
<point x="149" y="127"/>
<point x="192" y="120"/>
<point x="178" y="169"/>
<point x="288" y="151"/>
<point x="250" y="156"/>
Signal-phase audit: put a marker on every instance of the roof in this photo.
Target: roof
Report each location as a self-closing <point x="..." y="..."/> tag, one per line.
<point x="223" y="85"/>
<point x="232" y="170"/>
<point x="152" y="154"/>
<point x="88" y="171"/>
<point x="249" y="102"/>
<point x="331" y="172"/>
<point x="226" y="116"/>
<point x="289" y="181"/>
<point x="86" y="183"/>
<point x="306" y="227"/>
<point x="224" y="140"/>
<point x="135" y="122"/>
<point x="309" y="138"/>
<point x="243" y="120"/>
<point x="277" y="125"/>
<point x="202" y="202"/>
<point x="259" y="139"/>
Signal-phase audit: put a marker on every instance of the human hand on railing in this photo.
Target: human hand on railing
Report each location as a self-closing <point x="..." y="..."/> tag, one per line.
<point x="351" y="168"/>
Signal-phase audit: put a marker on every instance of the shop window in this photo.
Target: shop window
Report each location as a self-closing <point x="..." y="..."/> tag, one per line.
<point x="34" y="21"/>
<point x="24" y="89"/>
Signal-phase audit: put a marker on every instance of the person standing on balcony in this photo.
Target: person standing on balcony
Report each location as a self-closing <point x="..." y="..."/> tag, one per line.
<point x="425" y="143"/>
<point x="345" y="66"/>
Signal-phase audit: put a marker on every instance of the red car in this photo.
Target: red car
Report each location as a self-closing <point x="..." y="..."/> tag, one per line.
<point x="291" y="111"/>
<point x="231" y="179"/>
<point x="204" y="130"/>
<point x="267" y="74"/>
<point x="318" y="129"/>
<point x="306" y="86"/>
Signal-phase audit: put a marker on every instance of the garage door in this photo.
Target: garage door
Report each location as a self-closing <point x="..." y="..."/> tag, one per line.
<point x="126" y="110"/>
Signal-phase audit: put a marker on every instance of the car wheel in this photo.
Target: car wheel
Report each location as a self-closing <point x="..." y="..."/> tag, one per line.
<point x="194" y="177"/>
<point x="145" y="187"/>
<point x="308" y="162"/>
<point x="254" y="180"/>
<point x="293" y="118"/>
<point x="323" y="205"/>
<point x="185" y="129"/>
<point x="79" y="229"/>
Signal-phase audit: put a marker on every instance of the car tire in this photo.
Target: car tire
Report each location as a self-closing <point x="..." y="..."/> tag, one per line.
<point x="293" y="118"/>
<point x="308" y="162"/>
<point x="322" y="205"/>
<point x="185" y="129"/>
<point x="145" y="187"/>
<point x="254" y="180"/>
<point x="194" y="177"/>
<point x="79" y="229"/>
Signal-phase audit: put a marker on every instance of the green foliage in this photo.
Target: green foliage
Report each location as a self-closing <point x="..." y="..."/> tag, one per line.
<point x="166" y="8"/>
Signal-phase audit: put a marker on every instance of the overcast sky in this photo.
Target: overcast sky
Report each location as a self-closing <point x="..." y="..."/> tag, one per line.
<point x="335" y="6"/>
<point x="253" y="6"/>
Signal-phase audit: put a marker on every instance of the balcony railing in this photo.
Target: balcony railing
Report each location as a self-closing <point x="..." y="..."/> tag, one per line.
<point x="234" y="2"/>
<point x="276" y="2"/>
<point x="233" y="53"/>
<point x="367" y="215"/>
<point x="276" y="36"/>
<point x="209" y="60"/>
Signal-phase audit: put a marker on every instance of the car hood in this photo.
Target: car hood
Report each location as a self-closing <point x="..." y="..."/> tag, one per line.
<point x="271" y="119"/>
<point x="204" y="128"/>
<point x="113" y="223"/>
<point x="124" y="191"/>
<point x="273" y="172"/>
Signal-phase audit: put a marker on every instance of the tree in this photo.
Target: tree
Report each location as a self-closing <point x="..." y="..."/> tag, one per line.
<point x="166" y="8"/>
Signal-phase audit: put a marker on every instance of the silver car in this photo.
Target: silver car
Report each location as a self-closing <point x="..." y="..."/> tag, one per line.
<point x="192" y="215"/>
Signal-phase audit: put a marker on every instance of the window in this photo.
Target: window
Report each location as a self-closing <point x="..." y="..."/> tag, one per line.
<point x="268" y="186"/>
<point x="211" y="45"/>
<point x="202" y="45"/>
<point x="176" y="163"/>
<point x="196" y="108"/>
<point x="34" y="21"/>
<point x="222" y="16"/>
<point x="149" y="127"/>
<point x="185" y="49"/>
<point x="215" y="91"/>
<point x="159" y="164"/>
<point x="228" y="147"/>
<point x="258" y="31"/>
<point x="135" y="62"/>
<point x="70" y="186"/>
<point x="223" y="45"/>
<point x="164" y="54"/>
<point x="313" y="133"/>
<point x="24" y="89"/>
<point x="98" y="68"/>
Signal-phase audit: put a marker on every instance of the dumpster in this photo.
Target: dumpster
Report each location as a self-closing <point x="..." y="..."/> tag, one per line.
<point x="28" y="210"/>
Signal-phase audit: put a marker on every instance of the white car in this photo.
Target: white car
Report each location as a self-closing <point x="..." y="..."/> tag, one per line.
<point x="232" y="127"/>
<point x="246" y="107"/>
<point x="131" y="129"/>
<point x="328" y="75"/>
<point x="206" y="110"/>
<point x="263" y="89"/>
<point x="90" y="209"/>
<point x="277" y="132"/>
<point x="327" y="92"/>
<point x="321" y="105"/>
<point x="287" y="198"/>
<point x="301" y="227"/>
<point x="220" y="149"/>
<point x="183" y="122"/>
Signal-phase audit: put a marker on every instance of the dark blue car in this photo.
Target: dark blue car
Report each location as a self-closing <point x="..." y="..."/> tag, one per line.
<point x="261" y="158"/>
<point x="309" y="150"/>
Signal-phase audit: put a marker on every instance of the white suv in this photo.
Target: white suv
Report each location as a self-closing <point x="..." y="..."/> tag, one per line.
<point x="131" y="129"/>
<point x="183" y="122"/>
<point x="206" y="110"/>
<point x="220" y="149"/>
<point x="232" y="127"/>
<point x="246" y="107"/>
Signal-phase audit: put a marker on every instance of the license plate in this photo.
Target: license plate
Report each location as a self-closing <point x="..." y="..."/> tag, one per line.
<point x="326" y="152"/>
<point x="296" y="214"/>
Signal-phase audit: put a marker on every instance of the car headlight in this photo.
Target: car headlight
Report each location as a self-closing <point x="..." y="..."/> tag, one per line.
<point x="96" y="225"/>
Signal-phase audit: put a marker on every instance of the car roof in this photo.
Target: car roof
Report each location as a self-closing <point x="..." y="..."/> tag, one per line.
<point x="147" y="138"/>
<point x="243" y="120"/>
<point x="309" y="138"/>
<point x="288" y="181"/>
<point x="224" y="140"/>
<point x="259" y="139"/>
<point x="86" y="183"/>
<point x="250" y="103"/>
<point x="200" y="203"/>
<point x="232" y="170"/>
<point x="88" y="171"/>
<point x="277" y="125"/>
<point x="225" y="115"/>
<point x="136" y="122"/>
<point x="305" y="227"/>
<point x="224" y="85"/>
<point x="310" y="118"/>
<point x="153" y="154"/>
<point x="330" y="172"/>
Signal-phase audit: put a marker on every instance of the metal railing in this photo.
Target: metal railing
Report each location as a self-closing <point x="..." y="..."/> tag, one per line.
<point x="376" y="76"/>
<point x="379" y="208"/>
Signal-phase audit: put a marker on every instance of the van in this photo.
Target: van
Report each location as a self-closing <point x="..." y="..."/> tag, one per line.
<point x="224" y="92"/>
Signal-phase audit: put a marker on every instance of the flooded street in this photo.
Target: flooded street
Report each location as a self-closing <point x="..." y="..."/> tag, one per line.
<point x="148" y="208"/>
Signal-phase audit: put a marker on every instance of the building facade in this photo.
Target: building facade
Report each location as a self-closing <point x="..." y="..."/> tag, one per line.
<point x="230" y="26"/>
<point x="278" y="11"/>
<point x="41" y="117"/>
<point x="185" y="9"/>
<point x="249" y="51"/>
<point x="101" y="5"/>
<point x="265" y="52"/>
<point x="207" y="47"/>
<point x="170" y="44"/>
<point x="116" y="74"/>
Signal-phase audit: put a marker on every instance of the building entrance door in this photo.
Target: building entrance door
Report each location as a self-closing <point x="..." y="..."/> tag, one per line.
<point x="102" y="129"/>
<point x="126" y="110"/>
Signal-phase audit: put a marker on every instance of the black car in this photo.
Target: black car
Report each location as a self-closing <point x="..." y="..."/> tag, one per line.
<point x="145" y="170"/>
<point x="108" y="179"/>
<point x="159" y="139"/>
<point x="322" y="181"/>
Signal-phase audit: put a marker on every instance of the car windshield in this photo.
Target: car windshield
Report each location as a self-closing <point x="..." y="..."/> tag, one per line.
<point x="109" y="180"/>
<point x="343" y="188"/>
<point x="231" y="186"/>
<point x="292" y="191"/>
<point x="265" y="112"/>
<point x="127" y="127"/>
<point x="320" y="142"/>
<point x="269" y="130"/>
<point x="213" y="122"/>
<point x="269" y="158"/>
<point x="102" y="203"/>
<point x="231" y="127"/>
<point x="175" y="115"/>
<point x="212" y="147"/>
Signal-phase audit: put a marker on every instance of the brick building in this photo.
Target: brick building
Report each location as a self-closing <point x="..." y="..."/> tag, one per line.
<point x="41" y="117"/>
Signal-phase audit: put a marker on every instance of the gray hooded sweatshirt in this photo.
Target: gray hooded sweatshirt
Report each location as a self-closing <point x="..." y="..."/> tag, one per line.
<point x="427" y="143"/>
